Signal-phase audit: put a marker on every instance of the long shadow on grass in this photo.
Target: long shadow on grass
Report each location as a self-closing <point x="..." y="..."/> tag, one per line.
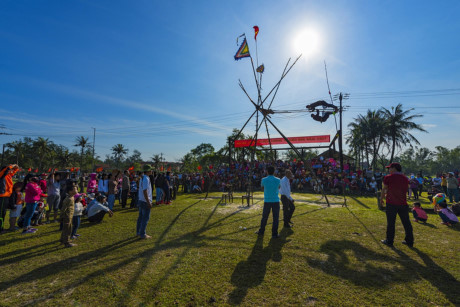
<point x="65" y="264"/>
<point x="251" y="272"/>
<point x="377" y="270"/>
<point x="359" y="202"/>
<point x="147" y="257"/>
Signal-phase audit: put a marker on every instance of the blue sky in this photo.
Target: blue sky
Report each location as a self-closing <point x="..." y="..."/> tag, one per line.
<point x="159" y="76"/>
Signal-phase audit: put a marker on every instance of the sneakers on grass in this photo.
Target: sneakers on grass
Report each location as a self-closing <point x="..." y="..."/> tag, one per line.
<point x="30" y="230"/>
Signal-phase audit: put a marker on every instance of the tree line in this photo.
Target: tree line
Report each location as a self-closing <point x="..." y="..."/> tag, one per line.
<point x="373" y="139"/>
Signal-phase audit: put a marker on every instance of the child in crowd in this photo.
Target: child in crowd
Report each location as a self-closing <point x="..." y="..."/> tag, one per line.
<point x="447" y="216"/>
<point x="39" y="213"/>
<point x="78" y="211"/>
<point x="17" y="199"/>
<point x="419" y="214"/>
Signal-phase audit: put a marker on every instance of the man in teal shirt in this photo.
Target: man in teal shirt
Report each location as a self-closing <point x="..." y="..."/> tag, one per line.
<point x="270" y="185"/>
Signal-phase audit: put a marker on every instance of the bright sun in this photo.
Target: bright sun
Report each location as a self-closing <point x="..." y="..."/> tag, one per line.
<point x="307" y="42"/>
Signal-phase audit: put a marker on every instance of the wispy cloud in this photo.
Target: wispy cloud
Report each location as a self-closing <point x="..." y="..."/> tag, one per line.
<point x="429" y="125"/>
<point x="150" y="107"/>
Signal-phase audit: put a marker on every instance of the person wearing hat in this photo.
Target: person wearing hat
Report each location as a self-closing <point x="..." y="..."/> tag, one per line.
<point x="452" y="188"/>
<point x="395" y="187"/>
<point x="144" y="203"/>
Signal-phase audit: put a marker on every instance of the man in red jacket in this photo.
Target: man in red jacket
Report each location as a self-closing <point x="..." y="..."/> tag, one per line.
<point x="6" y="189"/>
<point x="394" y="191"/>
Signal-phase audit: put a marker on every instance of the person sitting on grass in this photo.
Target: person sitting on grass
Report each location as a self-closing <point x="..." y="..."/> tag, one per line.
<point x="419" y="214"/>
<point x="445" y="213"/>
<point x="98" y="210"/>
<point x="76" y="219"/>
<point x="196" y="189"/>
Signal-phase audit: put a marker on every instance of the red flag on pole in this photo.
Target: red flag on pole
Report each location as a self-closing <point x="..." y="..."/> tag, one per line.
<point x="29" y="169"/>
<point x="199" y="167"/>
<point x="256" y="31"/>
<point x="131" y="168"/>
<point x="49" y="170"/>
<point x="36" y="170"/>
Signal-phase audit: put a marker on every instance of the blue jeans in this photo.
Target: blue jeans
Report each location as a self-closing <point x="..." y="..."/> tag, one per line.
<point x="75" y="224"/>
<point x="159" y="194"/>
<point x="111" y="201"/>
<point x="276" y="216"/>
<point x="143" y="219"/>
<point x="30" y="209"/>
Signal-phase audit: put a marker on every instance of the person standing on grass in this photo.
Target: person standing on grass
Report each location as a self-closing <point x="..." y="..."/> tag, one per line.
<point x="54" y="196"/>
<point x="68" y="207"/>
<point x="125" y="189"/>
<point x="6" y="189"/>
<point x="270" y="185"/>
<point x="395" y="186"/>
<point x="286" y="199"/>
<point x="144" y="203"/>
<point x="452" y="188"/>
<point x="33" y="195"/>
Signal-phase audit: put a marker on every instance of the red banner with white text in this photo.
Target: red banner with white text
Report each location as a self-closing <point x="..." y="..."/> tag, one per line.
<point x="282" y="141"/>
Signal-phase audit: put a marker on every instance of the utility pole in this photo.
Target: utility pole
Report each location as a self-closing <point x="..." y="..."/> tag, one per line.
<point x="94" y="144"/>
<point x="340" y="133"/>
<point x="3" y="154"/>
<point x="3" y="150"/>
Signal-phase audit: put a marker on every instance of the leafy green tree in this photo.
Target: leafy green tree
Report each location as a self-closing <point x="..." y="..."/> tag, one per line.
<point x="399" y="124"/>
<point x="18" y="147"/>
<point x="82" y="142"/>
<point x="42" y="148"/>
<point x="119" y="151"/>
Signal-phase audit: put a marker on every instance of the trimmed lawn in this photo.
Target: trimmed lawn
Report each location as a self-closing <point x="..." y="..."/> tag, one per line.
<point x="203" y="252"/>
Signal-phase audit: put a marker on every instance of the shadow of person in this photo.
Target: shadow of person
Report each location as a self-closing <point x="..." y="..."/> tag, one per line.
<point x="251" y="272"/>
<point x="436" y="275"/>
<point x="375" y="269"/>
<point x="379" y="270"/>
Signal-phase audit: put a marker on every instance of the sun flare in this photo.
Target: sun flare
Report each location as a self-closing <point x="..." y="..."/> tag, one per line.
<point x="307" y="42"/>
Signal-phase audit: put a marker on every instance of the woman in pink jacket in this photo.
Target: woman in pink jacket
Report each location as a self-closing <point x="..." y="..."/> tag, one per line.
<point x="33" y="195"/>
<point x="92" y="184"/>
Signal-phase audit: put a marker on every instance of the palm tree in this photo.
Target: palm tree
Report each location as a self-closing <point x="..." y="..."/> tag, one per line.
<point x="119" y="151"/>
<point x="18" y="148"/>
<point x="42" y="148"/>
<point x="367" y="135"/>
<point x="398" y="125"/>
<point x="82" y="142"/>
<point x="63" y="156"/>
<point x="156" y="159"/>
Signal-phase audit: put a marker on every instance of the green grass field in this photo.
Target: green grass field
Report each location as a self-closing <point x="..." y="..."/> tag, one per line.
<point x="203" y="252"/>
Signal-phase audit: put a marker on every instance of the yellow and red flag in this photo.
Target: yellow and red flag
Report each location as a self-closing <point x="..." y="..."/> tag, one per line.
<point x="256" y="31"/>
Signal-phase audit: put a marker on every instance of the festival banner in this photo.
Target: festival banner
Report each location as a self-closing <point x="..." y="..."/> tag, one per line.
<point x="282" y="141"/>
